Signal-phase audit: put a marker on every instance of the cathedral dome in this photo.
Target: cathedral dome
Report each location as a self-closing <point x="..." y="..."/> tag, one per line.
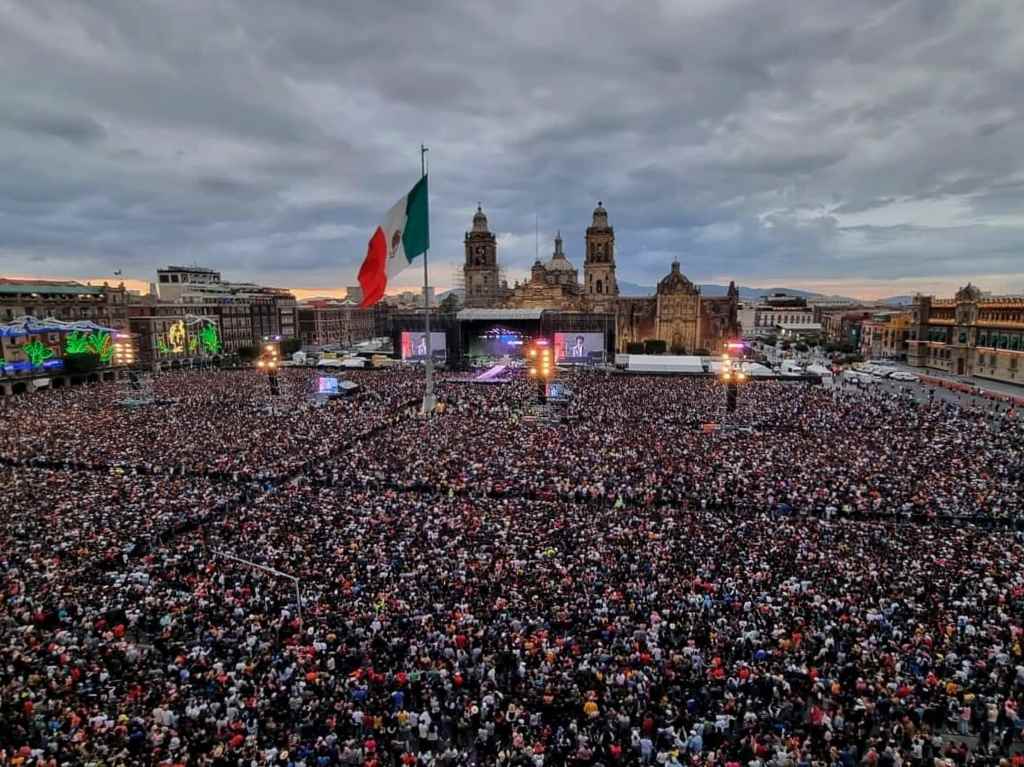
<point x="558" y="262"/>
<point x="600" y="215"/>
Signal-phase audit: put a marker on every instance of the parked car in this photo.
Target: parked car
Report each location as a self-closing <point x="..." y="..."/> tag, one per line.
<point x="901" y="375"/>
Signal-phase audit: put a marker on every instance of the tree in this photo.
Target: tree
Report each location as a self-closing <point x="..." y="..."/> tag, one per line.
<point x="785" y="346"/>
<point x="654" y="346"/>
<point x="81" y="362"/>
<point x="802" y="347"/>
<point x="678" y="349"/>
<point x="702" y="352"/>
<point x="289" y="346"/>
<point x="770" y="341"/>
<point x="635" y="347"/>
<point x="248" y="353"/>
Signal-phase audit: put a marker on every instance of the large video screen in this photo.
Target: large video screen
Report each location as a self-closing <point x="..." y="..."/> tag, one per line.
<point x="579" y="348"/>
<point x="327" y="385"/>
<point x="498" y="342"/>
<point x="414" y="346"/>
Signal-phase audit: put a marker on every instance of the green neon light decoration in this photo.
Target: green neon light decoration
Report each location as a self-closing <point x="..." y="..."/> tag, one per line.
<point x="76" y="343"/>
<point x="162" y="347"/>
<point x="98" y="342"/>
<point x="193" y="344"/>
<point x="210" y="339"/>
<point x="102" y="344"/>
<point x="37" y="353"/>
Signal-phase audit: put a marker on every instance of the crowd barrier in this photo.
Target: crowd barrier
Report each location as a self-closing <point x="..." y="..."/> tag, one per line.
<point x="971" y="389"/>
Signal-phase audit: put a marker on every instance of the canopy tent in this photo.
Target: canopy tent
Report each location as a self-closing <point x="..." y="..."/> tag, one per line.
<point x="660" y="363"/>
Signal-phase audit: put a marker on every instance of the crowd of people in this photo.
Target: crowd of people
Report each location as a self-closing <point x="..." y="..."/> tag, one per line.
<point x="352" y="584"/>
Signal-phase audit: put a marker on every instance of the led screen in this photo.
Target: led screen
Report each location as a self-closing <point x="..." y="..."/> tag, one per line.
<point x="414" y="345"/>
<point x="579" y="347"/>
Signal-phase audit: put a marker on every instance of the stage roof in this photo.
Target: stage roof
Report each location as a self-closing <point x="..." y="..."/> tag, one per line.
<point x="499" y="314"/>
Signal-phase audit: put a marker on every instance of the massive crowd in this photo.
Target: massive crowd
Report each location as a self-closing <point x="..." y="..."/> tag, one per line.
<point x="354" y="585"/>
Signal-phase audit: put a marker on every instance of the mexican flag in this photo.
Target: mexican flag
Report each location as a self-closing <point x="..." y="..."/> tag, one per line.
<point x="404" y="235"/>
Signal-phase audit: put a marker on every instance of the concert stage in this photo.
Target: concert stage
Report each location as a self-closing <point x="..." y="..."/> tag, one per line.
<point x="488" y="337"/>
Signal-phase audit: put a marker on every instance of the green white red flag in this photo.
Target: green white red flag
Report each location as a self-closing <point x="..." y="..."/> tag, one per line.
<point x="404" y="235"/>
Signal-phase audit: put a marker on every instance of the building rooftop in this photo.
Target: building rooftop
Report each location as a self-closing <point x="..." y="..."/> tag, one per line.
<point x="47" y="287"/>
<point x="200" y="269"/>
<point x="499" y="314"/>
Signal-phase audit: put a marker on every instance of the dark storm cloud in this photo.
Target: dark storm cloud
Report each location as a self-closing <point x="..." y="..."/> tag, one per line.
<point x="762" y="141"/>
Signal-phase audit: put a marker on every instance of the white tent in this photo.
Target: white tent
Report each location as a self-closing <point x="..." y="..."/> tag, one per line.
<point x="660" y="363"/>
<point x="756" y="370"/>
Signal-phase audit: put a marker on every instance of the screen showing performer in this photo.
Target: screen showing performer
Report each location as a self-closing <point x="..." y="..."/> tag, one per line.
<point x="414" y="346"/>
<point x="579" y="348"/>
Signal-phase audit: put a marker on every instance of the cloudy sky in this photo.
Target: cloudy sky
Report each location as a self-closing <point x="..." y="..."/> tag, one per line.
<point x="857" y="146"/>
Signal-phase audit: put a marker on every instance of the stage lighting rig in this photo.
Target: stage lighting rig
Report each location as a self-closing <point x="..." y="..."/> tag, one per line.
<point x="732" y="376"/>
<point x="269" y="361"/>
<point x="542" y="365"/>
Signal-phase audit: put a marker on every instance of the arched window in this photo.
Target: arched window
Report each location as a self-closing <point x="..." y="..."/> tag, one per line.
<point x="599" y="289"/>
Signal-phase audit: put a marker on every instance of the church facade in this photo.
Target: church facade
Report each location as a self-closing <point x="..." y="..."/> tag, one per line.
<point x="677" y="313"/>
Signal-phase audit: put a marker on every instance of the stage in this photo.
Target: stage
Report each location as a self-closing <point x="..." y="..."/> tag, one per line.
<point x="473" y="338"/>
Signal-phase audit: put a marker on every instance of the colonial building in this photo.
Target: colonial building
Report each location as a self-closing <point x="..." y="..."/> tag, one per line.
<point x="248" y="313"/>
<point x="677" y="313"/>
<point x="335" y="323"/>
<point x="552" y="283"/>
<point x="599" y="266"/>
<point x="884" y="336"/>
<point x="969" y="335"/>
<point x="37" y="318"/>
<point x="481" y="270"/>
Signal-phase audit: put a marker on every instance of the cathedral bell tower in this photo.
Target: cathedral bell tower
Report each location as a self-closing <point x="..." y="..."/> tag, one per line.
<point x="481" y="267"/>
<point x="599" y="284"/>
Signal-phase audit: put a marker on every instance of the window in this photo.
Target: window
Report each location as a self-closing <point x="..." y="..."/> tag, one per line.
<point x="164" y="278"/>
<point x="599" y="287"/>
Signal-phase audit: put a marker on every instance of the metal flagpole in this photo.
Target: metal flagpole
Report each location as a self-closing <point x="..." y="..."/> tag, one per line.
<point x="428" y="393"/>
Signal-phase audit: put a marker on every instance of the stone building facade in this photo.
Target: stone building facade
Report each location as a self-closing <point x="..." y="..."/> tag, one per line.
<point x="970" y="334"/>
<point x="677" y="313"/>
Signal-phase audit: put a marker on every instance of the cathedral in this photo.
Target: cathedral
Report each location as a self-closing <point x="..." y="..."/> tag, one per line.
<point x="677" y="313"/>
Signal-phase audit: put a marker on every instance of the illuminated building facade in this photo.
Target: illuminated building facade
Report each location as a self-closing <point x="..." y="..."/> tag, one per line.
<point x="41" y="321"/>
<point x="246" y="312"/>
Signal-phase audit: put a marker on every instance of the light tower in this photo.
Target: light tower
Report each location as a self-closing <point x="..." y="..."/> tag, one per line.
<point x="732" y="376"/>
<point x="268" y="362"/>
<point x="542" y="366"/>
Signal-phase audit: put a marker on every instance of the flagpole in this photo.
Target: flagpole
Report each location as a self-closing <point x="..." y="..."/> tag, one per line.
<point x="428" y="392"/>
